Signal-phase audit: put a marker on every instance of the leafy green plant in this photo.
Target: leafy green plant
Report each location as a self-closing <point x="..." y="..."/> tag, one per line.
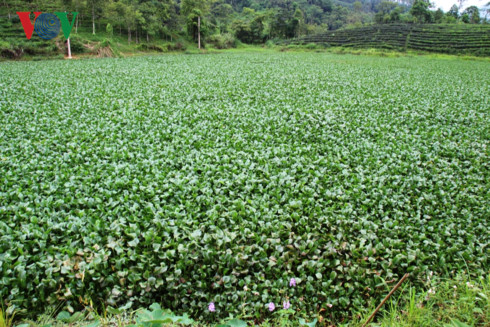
<point x="68" y="318"/>
<point x="157" y="317"/>
<point x="234" y="323"/>
<point x="303" y="322"/>
<point x="457" y="323"/>
<point x="164" y="179"/>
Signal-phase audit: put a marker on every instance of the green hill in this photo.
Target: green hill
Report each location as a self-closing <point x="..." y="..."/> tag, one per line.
<point x="454" y="39"/>
<point x="13" y="43"/>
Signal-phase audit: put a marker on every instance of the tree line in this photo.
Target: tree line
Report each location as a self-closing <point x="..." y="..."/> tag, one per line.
<point x="422" y="12"/>
<point x="250" y="21"/>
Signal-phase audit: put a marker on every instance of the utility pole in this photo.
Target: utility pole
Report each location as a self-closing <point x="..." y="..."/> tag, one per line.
<point x="68" y="45"/>
<point x="69" y="48"/>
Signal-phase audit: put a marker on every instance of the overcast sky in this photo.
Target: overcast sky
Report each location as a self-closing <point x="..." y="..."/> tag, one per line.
<point x="446" y="4"/>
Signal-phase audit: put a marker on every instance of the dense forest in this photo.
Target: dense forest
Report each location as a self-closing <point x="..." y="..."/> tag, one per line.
<point x="249" y="21"/>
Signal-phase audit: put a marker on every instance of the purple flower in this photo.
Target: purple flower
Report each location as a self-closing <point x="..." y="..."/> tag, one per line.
<point x="271" y="306"/>
<point x="292" y="282"/>
<point x="286" y="305"/>
<point x="211" y="307"/>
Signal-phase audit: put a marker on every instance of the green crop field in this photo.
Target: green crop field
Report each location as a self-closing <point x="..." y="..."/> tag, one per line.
<point x="192" y="179"/>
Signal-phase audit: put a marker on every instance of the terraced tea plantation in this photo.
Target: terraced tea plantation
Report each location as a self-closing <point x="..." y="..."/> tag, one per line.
<point x="186" y="180"/>
<point x="469" y="39"/>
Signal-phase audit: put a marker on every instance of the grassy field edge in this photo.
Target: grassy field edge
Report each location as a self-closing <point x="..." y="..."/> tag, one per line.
<point x="460" y="301"/>
<point x="87" y="46"/>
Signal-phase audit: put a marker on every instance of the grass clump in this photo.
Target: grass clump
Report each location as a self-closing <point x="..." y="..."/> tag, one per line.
<point x="462" y="301"/>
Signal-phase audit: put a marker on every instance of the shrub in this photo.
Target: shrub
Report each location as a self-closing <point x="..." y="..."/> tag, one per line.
<point x="177" y="46"/>
<point x="77" y="44"/>
<point x="270" y="44"/>
<point x="109" y="29"/>
<point x="152" y="47"/>
<point x="311" y="46"/>
<point x="222" y="41"/>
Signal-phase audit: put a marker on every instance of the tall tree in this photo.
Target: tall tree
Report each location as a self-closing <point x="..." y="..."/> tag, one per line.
<point x="314" y="14"/>
<point x="222" y="13"/>
<point x="298" y="19"/>
<point x="193" y="11"/>
<point x="117" y="11"/>
<point x="133" y="18"/>
<point x="78" y="6"/>
<point x="338" y="17"/>
<point x="420" y="10"/>
<point x="357" y="6"/>
<point x="155" y="13"/>
<point x="95" y="7"/>
<point x="438" y="16"/>
<point x="384" y="12"/>
<point x="454" y="12"/>
<point x="473" y="14"/>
